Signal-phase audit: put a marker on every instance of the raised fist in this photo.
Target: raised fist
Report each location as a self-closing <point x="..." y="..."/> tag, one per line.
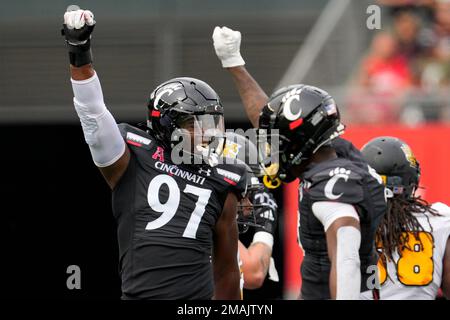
<point x="227" y="44"/>
<point x="77" y="28"/>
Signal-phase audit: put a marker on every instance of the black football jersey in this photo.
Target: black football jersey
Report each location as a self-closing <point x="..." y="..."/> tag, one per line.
<point x="165" y="215"/>
<point x="345" y="179"/>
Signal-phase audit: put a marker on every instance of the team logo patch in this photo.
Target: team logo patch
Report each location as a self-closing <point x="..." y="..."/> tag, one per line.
<point x="202" y="171"/>
<point x="335" y="174"/>
<point x="409" y="155"/>
<point x="159" y="154"/>
<point x="137" y="140"/>
<point x="287" y="101"/>
<point x="330" y="109"/>
<point x="169" y="89"/>
<point x="231" y="149"/>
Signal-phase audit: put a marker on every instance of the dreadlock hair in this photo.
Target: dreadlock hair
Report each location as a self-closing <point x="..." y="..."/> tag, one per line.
<point x="399" y="222"/>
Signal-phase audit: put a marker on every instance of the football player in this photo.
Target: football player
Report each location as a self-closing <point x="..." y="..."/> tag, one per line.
<point x="258" y="210"/>
<point x="341" y="199"/>
<point x="177" y="228"/>
<point x="413" y="238"/>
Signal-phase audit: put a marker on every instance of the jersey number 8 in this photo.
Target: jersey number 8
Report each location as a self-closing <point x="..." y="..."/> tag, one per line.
<point x="415" y="266"/>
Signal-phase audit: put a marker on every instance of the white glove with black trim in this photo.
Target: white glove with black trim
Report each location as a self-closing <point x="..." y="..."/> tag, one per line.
<point x="77" y="28"/>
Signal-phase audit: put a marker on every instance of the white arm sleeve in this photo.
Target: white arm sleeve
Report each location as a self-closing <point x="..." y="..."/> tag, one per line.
<point x="99" y="127"/>
<point x="348" y="265"/>
<point x="327" y="212"/>
<point x="348" y="272"/>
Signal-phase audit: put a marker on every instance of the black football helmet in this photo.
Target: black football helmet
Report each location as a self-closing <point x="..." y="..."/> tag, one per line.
<point x="186" y="110"/>
<point x="394" y="160"/>
<point x="238" y="146"/>
<point x="246" y="208"/>
<point x="306" y="118"/>
<point x="242" y="150"/>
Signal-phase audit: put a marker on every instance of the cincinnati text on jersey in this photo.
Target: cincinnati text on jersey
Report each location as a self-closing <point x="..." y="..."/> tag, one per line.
<point x="175" y="171"/>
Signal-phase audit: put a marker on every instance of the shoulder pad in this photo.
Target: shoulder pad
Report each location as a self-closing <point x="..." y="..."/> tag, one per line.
<point x="345" y="149"/>
<point x="235" y="175"/>
<point x="441" y="222"/>
<point x="134" y="136"/>
<point x="441" y="208"/>
<point x="336" y="183"/>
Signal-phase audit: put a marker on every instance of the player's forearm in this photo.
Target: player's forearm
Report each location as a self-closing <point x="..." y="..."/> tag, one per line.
<point x="227" y="44"/>
<point x="332" y="280"/>
<point x="446" y="290"/>
<point x="347" y="262"/>
<point x="99" y="127"/>
<point x="225" y="264"/>
<point x="253" y="97"/>
<point x="87" y="91"/>
<point x="255" y="264"/>
<point x="226" y="285"/>
<point x="82" y="73"/>
<point x="101" y="132"/>
<point x="345" y="281"/>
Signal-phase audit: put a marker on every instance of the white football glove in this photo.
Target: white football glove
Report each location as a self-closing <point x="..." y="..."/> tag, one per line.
<point x="227" y="44"/>
<point x="74" y="21"/>
<point x="77" y="28"/>
<point x="78" y="18"/>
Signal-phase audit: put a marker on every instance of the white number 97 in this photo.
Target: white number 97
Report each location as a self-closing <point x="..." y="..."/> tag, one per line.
<point x="170" y="207"/>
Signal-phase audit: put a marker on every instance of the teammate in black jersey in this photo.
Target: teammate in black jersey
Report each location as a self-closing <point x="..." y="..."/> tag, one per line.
<point x="341" y="199"/>
<point x="258" y="211"/>
<point x="176" y="222"/>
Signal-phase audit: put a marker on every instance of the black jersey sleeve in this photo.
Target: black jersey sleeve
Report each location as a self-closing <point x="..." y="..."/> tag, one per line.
<point x="340" y="184"/>
<point x="235" y="176"/>
<point x="123" y="128"/>
<point x="135" y="137"/>
<point x="240" y="189"/>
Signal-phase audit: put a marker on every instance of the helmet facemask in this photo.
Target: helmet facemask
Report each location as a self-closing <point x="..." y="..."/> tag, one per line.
<point x="296" y="149"/>
<point x="198" y="138"/>
<point x="398" y="186"/>
<point x="246" y="210"/>
<point x="186" y="116"/>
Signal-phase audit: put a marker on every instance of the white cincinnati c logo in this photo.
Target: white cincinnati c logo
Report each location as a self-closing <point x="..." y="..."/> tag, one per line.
<point x="330" y="185"/>
<point x="170" y="90"/>
<point x="287" y="108"/>
<point x="159" y="95"/>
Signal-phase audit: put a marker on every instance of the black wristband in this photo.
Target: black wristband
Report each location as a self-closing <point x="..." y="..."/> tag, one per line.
<point x="79" y="54"/>
<point x="80" y="58"/>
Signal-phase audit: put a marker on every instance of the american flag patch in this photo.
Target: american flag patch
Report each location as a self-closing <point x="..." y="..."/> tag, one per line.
<point x="330" y="109"/>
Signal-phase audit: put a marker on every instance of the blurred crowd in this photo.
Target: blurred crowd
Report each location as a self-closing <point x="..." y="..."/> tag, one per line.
<point x="405" y="75"/>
